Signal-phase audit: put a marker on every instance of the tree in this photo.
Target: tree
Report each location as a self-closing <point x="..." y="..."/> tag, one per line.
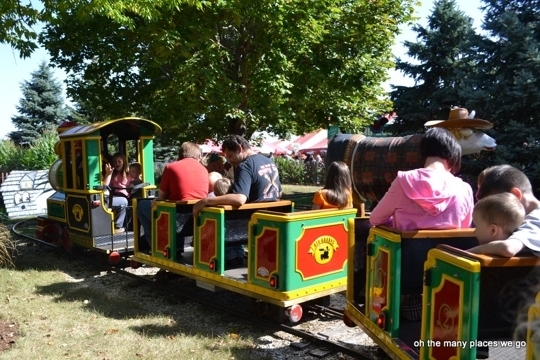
<point x="16" y="22"/>
<point x="204" y="69"/>
<point x="444" y="63"/>
<point x="41" y="108"/>
<point x="509" y="95"/>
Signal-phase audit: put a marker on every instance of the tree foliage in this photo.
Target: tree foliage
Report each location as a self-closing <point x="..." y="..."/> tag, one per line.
<point x="443" y="56"/>
<point x="509" y="75"/>
<point x="17" y="23"/>
<point x="41" y="107"/>
<point x="204" y="69"/>
<point x="496" y="73"/>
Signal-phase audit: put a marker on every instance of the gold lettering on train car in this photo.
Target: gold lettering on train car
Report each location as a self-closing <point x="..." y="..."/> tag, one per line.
<point x="445" y="318"/>
<point x="323" y="248"/>
<point x="78" y="212"/>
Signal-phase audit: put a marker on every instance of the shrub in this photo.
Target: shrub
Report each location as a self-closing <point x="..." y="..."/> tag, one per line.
<point x="7" y="247"/>
<point x="290" y="171"/>
<point x="39" y="156"/>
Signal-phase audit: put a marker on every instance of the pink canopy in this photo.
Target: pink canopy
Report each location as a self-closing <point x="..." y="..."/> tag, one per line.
<point x="209" y="146"/>
<point x="316" y="140"/>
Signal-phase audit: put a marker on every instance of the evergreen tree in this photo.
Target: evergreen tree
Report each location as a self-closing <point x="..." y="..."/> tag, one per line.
<point x="443" y="61"/>
<point x="41" y="107"/>
<point x="510" y="76"/>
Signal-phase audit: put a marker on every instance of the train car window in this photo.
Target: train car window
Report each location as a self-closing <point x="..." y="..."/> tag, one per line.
<point x="113" y="145"/>
<point x="69" y="162"/>
<point x="132" y="151"/>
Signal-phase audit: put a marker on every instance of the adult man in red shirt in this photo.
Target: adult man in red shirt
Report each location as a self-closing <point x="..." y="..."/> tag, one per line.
<point x="185" y="179"/>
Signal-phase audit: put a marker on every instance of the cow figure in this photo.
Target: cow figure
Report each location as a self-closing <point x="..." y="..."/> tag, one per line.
<point x="375" y="161"/>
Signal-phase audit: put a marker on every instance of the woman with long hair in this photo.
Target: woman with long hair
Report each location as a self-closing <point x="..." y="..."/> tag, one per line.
<point x="117" y="176"/>
<point x="337" y="191"/>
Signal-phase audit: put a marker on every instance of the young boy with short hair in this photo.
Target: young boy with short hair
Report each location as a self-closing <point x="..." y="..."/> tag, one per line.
<point x="496" y="217"/>
<point x="506" y="178"/>
<point x="212" y="178"/>
<point x="222" y="186"/>
<point x="135" y="172"/>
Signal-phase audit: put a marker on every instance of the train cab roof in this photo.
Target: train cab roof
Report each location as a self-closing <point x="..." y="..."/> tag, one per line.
<point x="127" y="128"/>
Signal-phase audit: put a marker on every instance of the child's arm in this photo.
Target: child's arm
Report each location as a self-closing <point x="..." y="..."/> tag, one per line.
<point x="506" y="248"/>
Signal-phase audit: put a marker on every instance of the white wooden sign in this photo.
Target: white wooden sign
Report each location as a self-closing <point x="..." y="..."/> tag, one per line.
<point x="25" y="193"/>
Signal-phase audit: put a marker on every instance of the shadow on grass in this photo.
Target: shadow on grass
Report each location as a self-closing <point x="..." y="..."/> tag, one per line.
<point x="114" y="296"/>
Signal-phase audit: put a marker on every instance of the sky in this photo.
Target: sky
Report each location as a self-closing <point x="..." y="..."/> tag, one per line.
<point x="14" y="71"/>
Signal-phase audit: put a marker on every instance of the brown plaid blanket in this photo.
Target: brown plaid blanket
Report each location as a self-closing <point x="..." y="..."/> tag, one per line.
<point x="374" y="161"/>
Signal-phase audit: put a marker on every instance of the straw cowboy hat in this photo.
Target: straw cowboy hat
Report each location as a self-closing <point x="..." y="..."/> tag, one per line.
<point x="460" y="118"/>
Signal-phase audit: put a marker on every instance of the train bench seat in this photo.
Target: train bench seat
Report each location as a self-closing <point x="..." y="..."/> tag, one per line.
<point x="237" y="219"/>
<point x="184" y="218"/>
<point x="414" y="246"/>
<point x="507" y="286"/>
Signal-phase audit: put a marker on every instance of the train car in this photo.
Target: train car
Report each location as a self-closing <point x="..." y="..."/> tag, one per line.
<point x="469" y="303"/>
<point x="293" y="258"/>
<point x="78" y="212"/>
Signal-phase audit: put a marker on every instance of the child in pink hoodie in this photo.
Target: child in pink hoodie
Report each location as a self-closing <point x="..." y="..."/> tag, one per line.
<point x="430" y="197"/>
<point x="427" y="198"/>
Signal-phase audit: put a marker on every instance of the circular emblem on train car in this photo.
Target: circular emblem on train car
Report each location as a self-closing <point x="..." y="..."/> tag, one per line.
<point x="323" y="248"/>
<point x="77" y="212"/>
<point x="262" y="271"/>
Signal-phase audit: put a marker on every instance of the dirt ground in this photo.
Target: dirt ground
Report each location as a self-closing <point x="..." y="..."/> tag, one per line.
<point x="8" y="334"/>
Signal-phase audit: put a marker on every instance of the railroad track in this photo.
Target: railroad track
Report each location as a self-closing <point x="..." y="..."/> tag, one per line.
<point x="334" y="339"/>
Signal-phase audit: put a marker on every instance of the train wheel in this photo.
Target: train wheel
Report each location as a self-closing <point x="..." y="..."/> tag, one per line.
<point x="260" y="308"/>
<point x="66" y="239"/>
<point x="347" y="321"/>
<point x="114" y="258"/>
<point x="162" y="277"/>
<point x="52" y="232"/>
<point x="294" y="313"/>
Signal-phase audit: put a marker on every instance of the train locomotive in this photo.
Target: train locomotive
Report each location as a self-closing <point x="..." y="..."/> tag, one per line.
<point x="293" y="258"/>
<point x="78" y="212"/>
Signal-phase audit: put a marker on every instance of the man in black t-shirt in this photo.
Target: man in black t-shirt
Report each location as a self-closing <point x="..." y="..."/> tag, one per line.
<point x="256" y="178"/>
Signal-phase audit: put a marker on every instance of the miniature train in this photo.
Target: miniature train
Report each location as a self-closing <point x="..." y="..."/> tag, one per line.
<point x="295" y="258"/>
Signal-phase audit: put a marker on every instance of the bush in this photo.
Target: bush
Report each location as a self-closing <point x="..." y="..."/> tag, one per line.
<point x="294" y="172"/>
<point x="6" y="247"/>
<point x="39" y="156"/>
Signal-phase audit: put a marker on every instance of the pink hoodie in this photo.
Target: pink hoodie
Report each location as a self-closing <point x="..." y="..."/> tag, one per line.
<point x="425" y="199"/>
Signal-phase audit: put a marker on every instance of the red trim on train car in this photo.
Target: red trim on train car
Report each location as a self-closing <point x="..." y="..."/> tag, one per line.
<point x="208" y="241"/>
<point x="163" y="231"/>
<point x="266" y="257"/>
<point x="446" y="321"/>
<point x="321" y="250"/>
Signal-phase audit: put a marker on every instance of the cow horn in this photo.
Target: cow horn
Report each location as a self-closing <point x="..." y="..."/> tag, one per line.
<point x="471" y="115"/>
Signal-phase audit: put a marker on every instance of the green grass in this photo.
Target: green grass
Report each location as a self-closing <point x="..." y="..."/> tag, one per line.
<point x="65" y="309"/>
<point x="302" y="195"/>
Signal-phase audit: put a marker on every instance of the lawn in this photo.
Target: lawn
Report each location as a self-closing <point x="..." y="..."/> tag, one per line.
<point x="302" y="195"/>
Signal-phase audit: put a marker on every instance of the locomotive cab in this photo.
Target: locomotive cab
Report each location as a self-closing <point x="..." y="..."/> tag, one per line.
<point x="79" y="207"/>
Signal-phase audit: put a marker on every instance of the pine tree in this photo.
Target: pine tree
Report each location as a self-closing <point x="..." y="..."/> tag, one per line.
<point x="443" y="61"/>
<point x="41" y="107"/>
<point x="510" y="78"/>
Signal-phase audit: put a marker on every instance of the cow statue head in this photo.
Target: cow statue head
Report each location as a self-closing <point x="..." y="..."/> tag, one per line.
<point x="467" y="130"/>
